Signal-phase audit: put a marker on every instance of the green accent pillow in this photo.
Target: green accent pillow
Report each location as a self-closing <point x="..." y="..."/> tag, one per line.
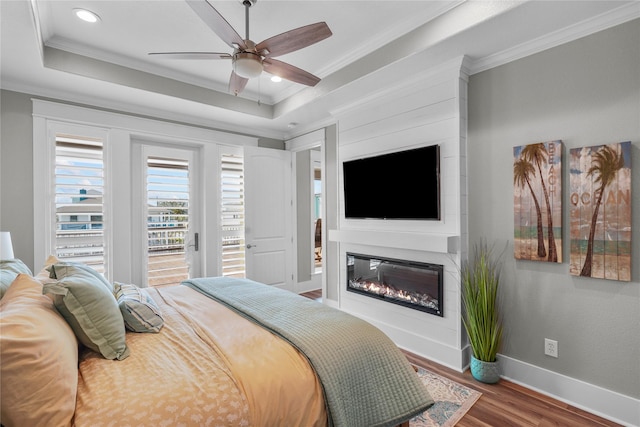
<point x="9" y="270"/>
<point x="139" y="310"/>
<point x="60" y="270"/>
<point x="89" y="307"/>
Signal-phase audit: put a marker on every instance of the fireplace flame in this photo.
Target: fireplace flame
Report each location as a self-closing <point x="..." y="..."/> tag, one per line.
<point x="388" y="291"/>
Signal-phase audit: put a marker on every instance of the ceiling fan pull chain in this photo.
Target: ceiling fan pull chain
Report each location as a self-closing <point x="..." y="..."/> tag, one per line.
<point x="259" y="93"/>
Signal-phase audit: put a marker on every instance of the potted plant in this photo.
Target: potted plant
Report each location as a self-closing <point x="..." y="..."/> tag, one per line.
<point x="480" y="279"/>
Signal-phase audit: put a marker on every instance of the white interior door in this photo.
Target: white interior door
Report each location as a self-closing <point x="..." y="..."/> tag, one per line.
<point x="269" y="225"/>
<point x="168" y="216"/>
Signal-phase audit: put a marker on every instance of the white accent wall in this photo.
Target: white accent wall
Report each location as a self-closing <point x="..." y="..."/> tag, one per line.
<point x="428" y="109"/>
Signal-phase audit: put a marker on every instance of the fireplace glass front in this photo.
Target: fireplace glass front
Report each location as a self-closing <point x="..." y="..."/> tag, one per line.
<point x="411" y="284"/>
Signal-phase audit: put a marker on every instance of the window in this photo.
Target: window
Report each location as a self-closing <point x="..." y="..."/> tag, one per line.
<point x="79" y="208"/>
<point x="232" y="215"/>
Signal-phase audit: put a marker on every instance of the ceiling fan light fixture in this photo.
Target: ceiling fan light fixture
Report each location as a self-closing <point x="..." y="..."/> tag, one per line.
<point x="276" y="79"/>
<point x="247" y="65"/>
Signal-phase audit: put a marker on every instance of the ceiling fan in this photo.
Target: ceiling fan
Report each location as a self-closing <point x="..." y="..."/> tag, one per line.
<point x="250" y="59"/>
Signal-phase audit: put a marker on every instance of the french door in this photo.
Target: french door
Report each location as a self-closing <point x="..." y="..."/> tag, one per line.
<point x="167" y="216"/>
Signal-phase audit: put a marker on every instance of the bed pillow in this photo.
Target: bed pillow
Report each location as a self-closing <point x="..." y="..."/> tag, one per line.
<point x="90" y="308"/>
<point x="39" y="353"/>
<point x="139" y="310"/>
<point x="9" y="269"/>
<point x="60" y="270"/>
<point x="43" y="275"/>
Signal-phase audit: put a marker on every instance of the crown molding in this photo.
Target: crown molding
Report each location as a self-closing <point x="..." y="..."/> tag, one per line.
<point x="582" y="29"/>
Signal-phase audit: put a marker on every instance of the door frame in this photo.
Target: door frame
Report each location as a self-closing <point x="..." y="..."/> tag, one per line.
<point x="312" y="140"/>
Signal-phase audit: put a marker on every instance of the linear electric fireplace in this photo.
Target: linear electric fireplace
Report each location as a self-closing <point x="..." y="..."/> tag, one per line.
<point x="411" y="284"/>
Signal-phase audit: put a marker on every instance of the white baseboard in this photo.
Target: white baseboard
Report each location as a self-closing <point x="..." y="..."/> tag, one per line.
<point x="605" y="403"/>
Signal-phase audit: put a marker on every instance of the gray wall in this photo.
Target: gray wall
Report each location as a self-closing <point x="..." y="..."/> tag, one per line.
<point x="16" y="173"/>
<point x="585" y="93"/>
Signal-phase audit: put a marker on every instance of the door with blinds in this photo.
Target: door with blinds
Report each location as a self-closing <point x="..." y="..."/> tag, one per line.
<point x="168" y="223"/>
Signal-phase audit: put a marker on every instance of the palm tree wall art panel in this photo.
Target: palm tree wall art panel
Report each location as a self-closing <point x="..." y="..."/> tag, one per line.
<point x="537" y="188"/>
<point x="600" y="199"/>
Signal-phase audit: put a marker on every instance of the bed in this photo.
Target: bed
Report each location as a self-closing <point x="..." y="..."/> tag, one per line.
<point x="212" y="351"/>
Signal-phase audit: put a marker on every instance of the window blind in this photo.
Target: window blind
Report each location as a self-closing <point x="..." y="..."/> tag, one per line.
<point x="79" y="207"/>
<point x="232" y="215"/>
<point x="167" y="220"/>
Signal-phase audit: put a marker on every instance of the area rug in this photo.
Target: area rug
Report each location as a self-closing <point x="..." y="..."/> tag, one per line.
<point x="453" y="400"/>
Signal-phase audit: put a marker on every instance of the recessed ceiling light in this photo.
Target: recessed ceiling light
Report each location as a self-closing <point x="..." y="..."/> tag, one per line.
<point x="276" y="79"/>
<point x="86" y="15"/>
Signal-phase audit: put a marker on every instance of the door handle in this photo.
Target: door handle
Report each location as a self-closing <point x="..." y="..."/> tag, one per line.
<point x="196" y="243"/>
<point x="249" y="246"/>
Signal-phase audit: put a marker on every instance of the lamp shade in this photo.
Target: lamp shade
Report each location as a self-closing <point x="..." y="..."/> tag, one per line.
<point x="6" y="247"/>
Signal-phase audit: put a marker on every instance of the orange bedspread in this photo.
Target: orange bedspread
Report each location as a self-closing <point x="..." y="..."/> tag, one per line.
<point x="207" y="366"/>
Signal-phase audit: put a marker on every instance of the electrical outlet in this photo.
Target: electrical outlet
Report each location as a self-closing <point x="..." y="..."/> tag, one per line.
<point x="550" y="347"/>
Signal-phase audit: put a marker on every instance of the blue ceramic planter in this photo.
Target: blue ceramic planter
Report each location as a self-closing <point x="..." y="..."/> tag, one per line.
<point x="486" y="372"/>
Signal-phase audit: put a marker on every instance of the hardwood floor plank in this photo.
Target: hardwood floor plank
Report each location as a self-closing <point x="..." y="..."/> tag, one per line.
<point x="313" y="294"/>
<point x="470" y="420"/>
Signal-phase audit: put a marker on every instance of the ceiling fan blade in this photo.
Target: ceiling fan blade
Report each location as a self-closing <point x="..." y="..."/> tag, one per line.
<point x="216" y="22"/>
<point x="289" y="72"/>
<point x="192" y="55"/>
<point x="237" y="83"/>
<point x="294" y="39"/>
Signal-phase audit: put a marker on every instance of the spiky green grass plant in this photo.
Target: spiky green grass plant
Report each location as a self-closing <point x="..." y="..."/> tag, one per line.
<point x="480" y="278"/>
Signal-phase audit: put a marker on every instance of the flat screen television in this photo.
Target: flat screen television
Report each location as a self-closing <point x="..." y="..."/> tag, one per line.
<point x="399" y="185"/>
